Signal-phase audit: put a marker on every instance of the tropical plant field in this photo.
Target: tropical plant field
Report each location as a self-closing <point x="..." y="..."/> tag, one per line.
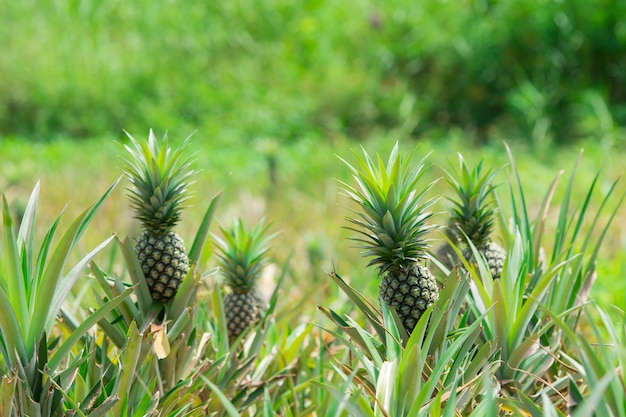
<point x="316" y="209"/>
<point x="82" y="335"/>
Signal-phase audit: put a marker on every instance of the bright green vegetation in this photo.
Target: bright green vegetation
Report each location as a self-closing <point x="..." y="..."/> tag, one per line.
<point x="159" y="179"/>
<point x="273" y="92"/>
<point x="472" y="215"/>
<point x="305" y="176"/>
<point x="392" y="223"/>
<point x="523" y="343"/>
<point x="322" y="345"/>
<point x="242" y="259"/>
<point x="277" y="68"/>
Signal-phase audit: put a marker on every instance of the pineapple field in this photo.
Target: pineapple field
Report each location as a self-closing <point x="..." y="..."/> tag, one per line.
<point x="411" y="281"/>
<point x="280" y="208"/>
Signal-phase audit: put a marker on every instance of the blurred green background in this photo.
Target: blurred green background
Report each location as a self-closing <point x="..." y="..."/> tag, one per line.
<point x="545" y="71"/>
<point x="274" y="88"/>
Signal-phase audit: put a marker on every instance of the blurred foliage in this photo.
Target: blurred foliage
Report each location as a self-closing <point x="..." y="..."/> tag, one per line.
<point x="533" y="66"/>
<point x="546" y="71"/>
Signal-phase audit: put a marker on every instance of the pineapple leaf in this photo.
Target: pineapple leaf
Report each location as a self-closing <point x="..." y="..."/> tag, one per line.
<point x="392" y="217"/>
<point x="369" y="310"/>
<point x="12" y="346"/>
<point x="159" y="180"/>
<point x="521" y="219"/>
<point x="242" y="254"/>
<point x="203" y="231"/>
<point x="129" y="361"/>
<point x="231" y="410"/>
<point x="472" y="212"/>
<point x="83" y="328"/>
<point x="144" y="299"/>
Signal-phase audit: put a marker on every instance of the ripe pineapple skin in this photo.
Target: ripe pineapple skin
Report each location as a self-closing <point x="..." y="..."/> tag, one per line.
<point x="164" y="262"/>
<point x="410" y="292"/>
<point x="242" y="309"/>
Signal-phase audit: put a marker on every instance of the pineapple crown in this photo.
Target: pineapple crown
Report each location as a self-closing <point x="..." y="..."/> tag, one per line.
<point x="472" y="212"/>
<point x="242" y="254"/>
<point x="391" y="223"/>
<point x="159" y="178"/>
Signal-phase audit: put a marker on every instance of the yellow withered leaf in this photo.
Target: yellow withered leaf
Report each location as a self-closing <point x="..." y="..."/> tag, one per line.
<point x="161" y="342"/>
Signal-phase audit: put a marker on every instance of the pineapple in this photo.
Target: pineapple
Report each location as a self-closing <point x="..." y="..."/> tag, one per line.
<point x="392" y="225"/>
<point x="242" y="256"/>
<point x="472" y="214"/>
<point x="159" y="178"/>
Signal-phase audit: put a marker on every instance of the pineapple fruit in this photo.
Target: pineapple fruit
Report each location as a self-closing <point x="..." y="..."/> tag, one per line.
<point x="159" y="178"/>
<point x="242" y="257"/>
<point x="472" y="214"/>
<point x="391" y="223"/>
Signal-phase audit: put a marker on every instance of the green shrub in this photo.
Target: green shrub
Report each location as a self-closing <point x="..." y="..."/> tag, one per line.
<point x="542" y="70"/>
<point x="522" y="65"/>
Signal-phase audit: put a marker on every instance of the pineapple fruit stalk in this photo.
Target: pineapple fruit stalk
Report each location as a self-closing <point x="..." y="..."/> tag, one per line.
<point x="242" y="257"/>
<point x="472" y="214"/>
<point x="159" y="180"/>
<point x="391" y="225"/>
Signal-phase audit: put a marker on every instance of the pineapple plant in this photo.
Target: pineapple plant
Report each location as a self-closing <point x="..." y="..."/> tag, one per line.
<point x="472" y="213"/>
<point x="159" y="180"/>
<point x="445" y="253"/>
<point x="242" y="257"/>
<point x="391" y="226"/>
